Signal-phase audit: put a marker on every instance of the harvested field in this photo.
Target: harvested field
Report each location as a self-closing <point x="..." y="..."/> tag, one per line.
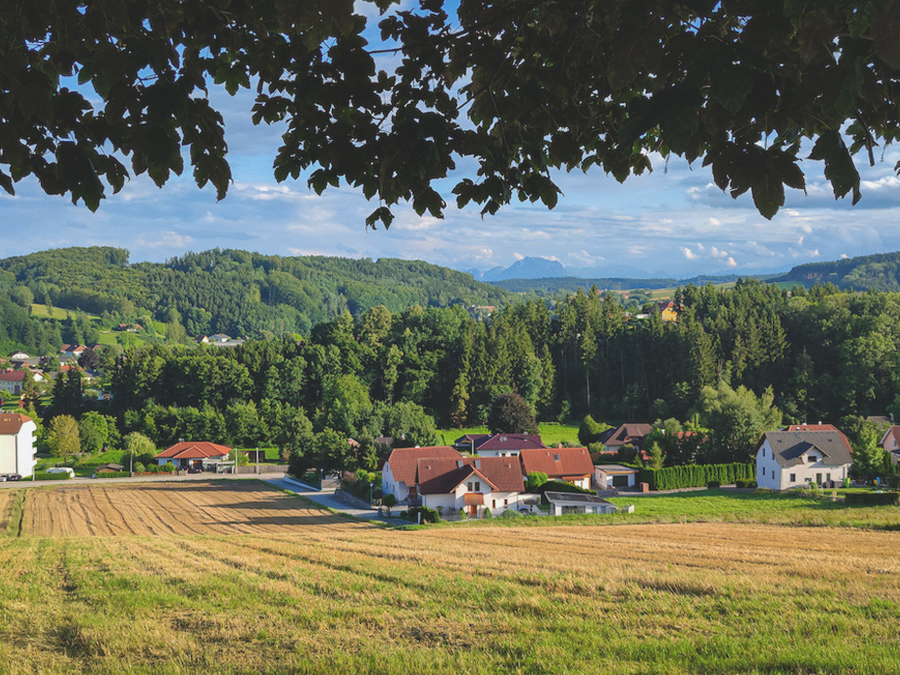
<point x="320" y="593"/>
<point x="215" y="507"/>
<point x="5" y="503"/>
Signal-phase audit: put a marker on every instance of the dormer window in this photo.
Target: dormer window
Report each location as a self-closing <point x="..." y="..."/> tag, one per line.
<point x="812" y="459"/>
<point x="556" y="457"/>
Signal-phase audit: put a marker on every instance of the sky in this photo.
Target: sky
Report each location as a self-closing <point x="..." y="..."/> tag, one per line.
<point x="673" y="222"/>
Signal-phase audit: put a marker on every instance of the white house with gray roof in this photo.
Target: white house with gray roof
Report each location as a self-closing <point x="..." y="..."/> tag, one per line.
<point x="791" y="459"/>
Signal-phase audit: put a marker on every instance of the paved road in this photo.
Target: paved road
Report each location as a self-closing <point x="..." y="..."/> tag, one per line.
<point x="327" y="499"/>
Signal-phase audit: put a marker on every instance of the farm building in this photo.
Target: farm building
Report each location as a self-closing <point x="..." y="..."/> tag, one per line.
<point x="200" y="455"/>
<point x="470" y="484"/>
<point x="17" y="444"/>
<point x="398" y="477"/>
<point x="790" y="459"/>
<point x="569" y="465"/>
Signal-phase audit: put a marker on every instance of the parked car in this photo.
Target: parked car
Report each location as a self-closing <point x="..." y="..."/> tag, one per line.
<point x="11" y="477"/>
<point x="62" y="469"/>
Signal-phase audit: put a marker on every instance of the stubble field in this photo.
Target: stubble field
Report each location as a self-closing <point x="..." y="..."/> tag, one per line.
<point x="287" y="588"/>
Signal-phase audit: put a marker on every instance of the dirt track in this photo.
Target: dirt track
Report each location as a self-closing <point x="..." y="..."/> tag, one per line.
<point x="224" y="507"/>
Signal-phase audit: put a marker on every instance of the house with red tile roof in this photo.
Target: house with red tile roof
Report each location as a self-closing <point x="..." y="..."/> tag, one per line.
<point x="470" y="484"/>
<point x="398" y="476"/>
<point x="17" y="444"/>
<point x="498" y="445"/>
<point x="568" y="465"/>
<point x="194" y="455"/>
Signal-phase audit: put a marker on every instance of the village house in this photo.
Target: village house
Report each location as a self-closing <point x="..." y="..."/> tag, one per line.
<point x="498" y="445"/>
<point x="470" y="484"/>
<point x="398" y="476"/>
<point x="198" y="456"/>
<point x="626" y="434"/>
<point x="72" y="351"/>
<point x="792" y="459"/>
<point x="12" y="382"/>
<point x="891" y="442"/>
<point x="17" y="445"/>
<point x="568" y="465"/>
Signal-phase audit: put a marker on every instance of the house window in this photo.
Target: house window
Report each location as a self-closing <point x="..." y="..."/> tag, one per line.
<point x="493" y="503"/>
<point x="469" y="487"/>
<point x="477" y="486"/>
<point x="793" y="478"/>
<point x="812" y="459"/>
<point x="827" y="476"/>
<point x="556" y="457"/>
<point x="505" y="502"/>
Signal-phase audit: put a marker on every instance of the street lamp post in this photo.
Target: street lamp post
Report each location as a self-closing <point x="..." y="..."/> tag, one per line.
<point x="371" y="486"/>
<point x="321" y="479"/>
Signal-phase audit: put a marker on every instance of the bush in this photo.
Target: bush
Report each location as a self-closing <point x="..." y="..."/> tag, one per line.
<point x="139" y="468"/>
<point x="487" y="513"/>
<point x="511" y="513"/>
<point x="872" y="498"/>
<point x="745" y="483"/>
<point x="430" y="515"/>
<point x="713" y="485"/>
<point x="43" y="475"/>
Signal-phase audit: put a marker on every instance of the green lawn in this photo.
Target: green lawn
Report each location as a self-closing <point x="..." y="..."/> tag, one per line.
<point x="40" y="311"/>
<point x="552" y="433"/>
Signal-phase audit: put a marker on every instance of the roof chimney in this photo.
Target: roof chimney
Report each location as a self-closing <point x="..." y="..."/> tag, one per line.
<point x="477" y="463"/>
<point x="459" y="464"/>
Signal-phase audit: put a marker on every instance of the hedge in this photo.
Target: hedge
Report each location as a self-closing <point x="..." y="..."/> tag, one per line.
<point x="113" y="474"/>
<point x="697" y="475"/>
<point x="43" y="475"/>
<point x="873" y="498"/>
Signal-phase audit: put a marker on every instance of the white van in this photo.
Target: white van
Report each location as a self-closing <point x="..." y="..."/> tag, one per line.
<point x="62" y="469"/>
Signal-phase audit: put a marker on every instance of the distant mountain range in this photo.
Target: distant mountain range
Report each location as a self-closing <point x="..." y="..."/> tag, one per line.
<point x="879" y="272"/>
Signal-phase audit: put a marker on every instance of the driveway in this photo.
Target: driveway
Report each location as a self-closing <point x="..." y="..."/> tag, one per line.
<point x="327" y="499"/>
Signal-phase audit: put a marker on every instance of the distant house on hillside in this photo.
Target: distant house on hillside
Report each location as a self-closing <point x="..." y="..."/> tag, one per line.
<point x="398" y="477"/>
<point x="498" y="445"/>
<point x="17" y="444"/>
<point x="668" y="310"/>
<point x="200" y="455"/>
<point x="18" y="357"/>
<point x="790" y="459"/>
<point x="568" y="465"/>
<point x="12" y="381"/>
<point x="72" y="351"/>
<point x="626" y="434"/>
<point x="470" y="484"/>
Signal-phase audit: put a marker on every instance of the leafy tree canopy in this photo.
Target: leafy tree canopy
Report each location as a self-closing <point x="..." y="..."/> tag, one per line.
<point x="514" y="87"/>
<point x="510" y="413"/>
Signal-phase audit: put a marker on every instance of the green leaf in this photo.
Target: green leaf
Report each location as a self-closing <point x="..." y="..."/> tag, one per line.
<point x="839" y="168"/>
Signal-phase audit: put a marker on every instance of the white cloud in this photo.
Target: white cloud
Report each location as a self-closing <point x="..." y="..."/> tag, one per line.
<point x="715" y="222"/>
<point x="731" y="262"/>
<point x="700" y="245"/>
<point x="688" y="253"/>
<point x="844" y="256"/>
<point x="518" y="256"/>
<point x="718" y="253"/>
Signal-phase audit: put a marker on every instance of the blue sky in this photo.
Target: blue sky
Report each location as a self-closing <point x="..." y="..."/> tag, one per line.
<point x="672" y="222"/>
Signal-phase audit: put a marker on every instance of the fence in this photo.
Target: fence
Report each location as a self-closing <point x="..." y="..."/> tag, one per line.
<point x="263" y="468"/>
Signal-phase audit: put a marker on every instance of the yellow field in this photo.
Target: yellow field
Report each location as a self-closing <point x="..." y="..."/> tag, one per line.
<point x="280" y="587"/>
<point x="222" y="507"/>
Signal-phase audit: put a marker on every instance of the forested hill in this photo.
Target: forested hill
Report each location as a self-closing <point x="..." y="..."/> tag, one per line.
<point x="236" y="292"/>
<point x="879" y="272"/>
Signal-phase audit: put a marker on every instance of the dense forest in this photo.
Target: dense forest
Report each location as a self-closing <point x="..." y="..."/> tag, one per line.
<point x="817" y="355"/>
<point x="879" y="272"/>
<point x="233" y="292"/>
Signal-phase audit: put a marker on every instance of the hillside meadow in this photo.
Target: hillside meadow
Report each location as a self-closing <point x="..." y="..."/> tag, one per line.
<point x="282" y="587"/>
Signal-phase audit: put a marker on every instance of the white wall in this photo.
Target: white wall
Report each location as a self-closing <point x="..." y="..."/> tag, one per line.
<point x="17" y="451"/>
<point x="389" y="485"/>
<point x="497" y="453"/>
<point x="493" y="500"/>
